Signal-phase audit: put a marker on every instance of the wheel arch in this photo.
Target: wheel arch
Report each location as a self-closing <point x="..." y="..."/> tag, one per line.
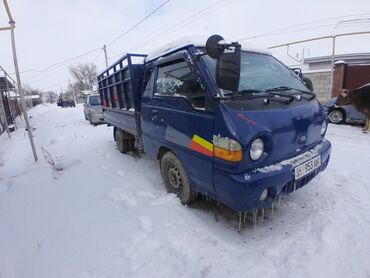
<point x="162" y="150"/>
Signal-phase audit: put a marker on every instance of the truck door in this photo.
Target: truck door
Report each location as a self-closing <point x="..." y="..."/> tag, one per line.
<point x="178" y="117"/>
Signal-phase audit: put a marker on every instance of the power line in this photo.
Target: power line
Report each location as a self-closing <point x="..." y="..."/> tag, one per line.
<point x="61" y="65"/>
<point x="62" y="62"/>
<point x="114" y="53"/>
<point x="87" y="53"/>
<point x="274" y="32"/>
<point x="97" y="56"/>
<point x="178" y="25"/>
<point x="138" y="23"/>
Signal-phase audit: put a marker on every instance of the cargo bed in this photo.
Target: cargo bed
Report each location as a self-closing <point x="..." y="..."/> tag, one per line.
<point x="120" y="92"/>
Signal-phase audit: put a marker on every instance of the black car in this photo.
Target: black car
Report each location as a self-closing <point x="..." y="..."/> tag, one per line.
<point x="66" y="103"/>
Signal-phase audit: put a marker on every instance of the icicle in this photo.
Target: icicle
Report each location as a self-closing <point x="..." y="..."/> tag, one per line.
<point x="263" y="214"/>
<point x="240" y="222"/>
<point x="295" y="187"/>
<point x="245" y="216"/>
<point x="279" y="200"/>
<point x="255" y="218"/>
<point x="272" y="208"/>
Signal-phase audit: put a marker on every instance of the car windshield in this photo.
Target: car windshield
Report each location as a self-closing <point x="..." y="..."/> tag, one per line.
<point x="94" y="100"/>
<point x="260" y="73"/>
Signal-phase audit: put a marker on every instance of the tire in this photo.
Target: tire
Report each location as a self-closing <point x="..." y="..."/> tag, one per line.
<point x="122" y="143"/>
<point x="89" y="117"/>
<point x="175" y="178"/>
<point x="337" y="116"/>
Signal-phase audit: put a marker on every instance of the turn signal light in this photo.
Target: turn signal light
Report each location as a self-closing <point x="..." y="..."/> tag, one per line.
<point x="227" y="154"/>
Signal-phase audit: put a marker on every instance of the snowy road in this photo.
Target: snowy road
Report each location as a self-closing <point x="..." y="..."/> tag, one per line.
<point x="107" y="214"/>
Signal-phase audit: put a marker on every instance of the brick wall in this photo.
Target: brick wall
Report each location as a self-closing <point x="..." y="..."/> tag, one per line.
<point x="321" y="84"/>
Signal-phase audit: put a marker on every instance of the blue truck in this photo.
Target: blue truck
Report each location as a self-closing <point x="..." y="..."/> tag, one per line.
<point x="226" y="121"/>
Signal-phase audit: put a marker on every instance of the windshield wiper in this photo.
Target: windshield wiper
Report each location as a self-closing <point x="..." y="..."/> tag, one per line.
<point x="255" y="93"/>
<point x="279" y="89"/>
<point x="286" y="88"/>
<point x="250" y="93"/>
<point x="275" y="92"/>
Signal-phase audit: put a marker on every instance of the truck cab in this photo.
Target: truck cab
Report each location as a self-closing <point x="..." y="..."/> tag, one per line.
<point x="226" y="121"/>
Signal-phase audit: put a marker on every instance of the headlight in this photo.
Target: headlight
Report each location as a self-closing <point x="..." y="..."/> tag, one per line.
<point x="324" y="126"/>
<point x="256" y="149"/>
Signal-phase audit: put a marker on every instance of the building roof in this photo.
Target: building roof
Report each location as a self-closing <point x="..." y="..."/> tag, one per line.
<point x="32" y="96"/>
<point x="351" y="58"/>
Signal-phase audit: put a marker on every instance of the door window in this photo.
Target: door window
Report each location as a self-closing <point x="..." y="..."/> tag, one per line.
<point x="176" y="79"/>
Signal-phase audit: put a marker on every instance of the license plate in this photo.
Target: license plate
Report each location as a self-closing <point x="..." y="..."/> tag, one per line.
<point x="307" y="167"/>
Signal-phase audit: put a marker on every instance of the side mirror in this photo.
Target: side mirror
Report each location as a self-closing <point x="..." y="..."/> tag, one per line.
<point x="308" y="83"/>
<point x="298" y="72"/>
<point x="228" y="65"/>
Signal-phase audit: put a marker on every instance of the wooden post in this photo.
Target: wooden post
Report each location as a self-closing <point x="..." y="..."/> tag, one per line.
<point x="19" y="84"/>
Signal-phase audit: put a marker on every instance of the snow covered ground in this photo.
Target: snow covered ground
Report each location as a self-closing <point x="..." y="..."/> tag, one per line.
<point x="108" y="215"/>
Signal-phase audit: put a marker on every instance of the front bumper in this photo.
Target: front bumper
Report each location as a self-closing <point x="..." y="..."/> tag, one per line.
<point x="241" y="192"/>
<point x="97" y="118"/>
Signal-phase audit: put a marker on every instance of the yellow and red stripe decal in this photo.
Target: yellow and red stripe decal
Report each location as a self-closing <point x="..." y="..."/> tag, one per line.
<point x="201" y="145"/>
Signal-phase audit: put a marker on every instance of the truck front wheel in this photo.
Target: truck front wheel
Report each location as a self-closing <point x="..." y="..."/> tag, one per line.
<point x="175" y="178"/>
<point x="122" y="143"/>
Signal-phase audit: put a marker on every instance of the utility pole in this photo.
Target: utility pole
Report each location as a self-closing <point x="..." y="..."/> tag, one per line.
<point x="332" y="67"/>
<point x="105" y="55"/>
<point x="20" y="90"/>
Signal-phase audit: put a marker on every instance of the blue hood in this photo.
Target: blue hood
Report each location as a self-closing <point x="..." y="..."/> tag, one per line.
<point x="286" y="131"/>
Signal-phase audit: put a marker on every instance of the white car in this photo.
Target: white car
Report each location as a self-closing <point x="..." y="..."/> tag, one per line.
<point x="93" y="111"/>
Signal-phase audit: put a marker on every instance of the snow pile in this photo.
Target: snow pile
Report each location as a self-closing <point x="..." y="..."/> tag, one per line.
<point x="107" y="215"/>
<point x="295" y="161"/>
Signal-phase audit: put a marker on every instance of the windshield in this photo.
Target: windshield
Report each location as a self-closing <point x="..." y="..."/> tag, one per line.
<point x="94" y="100"/>
<point x="261" y="72"/>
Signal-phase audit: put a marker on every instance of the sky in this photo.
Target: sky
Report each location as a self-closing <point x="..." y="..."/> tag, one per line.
<point x="51" y="35"/>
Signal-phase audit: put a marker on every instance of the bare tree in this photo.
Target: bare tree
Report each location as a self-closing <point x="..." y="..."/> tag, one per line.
<point x="49" y="97"/>
<point x="84" y="76"/>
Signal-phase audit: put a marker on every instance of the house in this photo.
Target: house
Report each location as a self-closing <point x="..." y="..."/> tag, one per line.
<point x="33" y="100"/>
<point x="350" y="71"/>
<point x="9" y="105"/>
